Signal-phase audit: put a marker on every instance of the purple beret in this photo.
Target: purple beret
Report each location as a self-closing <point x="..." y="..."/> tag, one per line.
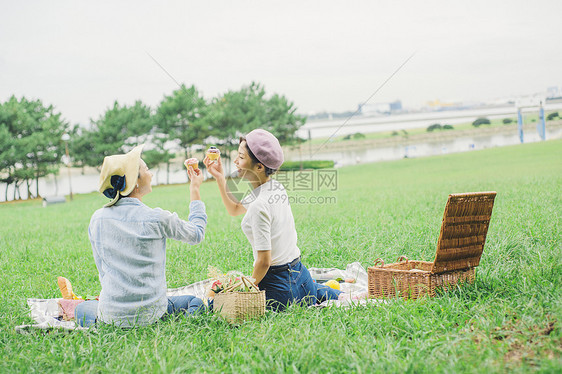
<point x="265" y="146"/>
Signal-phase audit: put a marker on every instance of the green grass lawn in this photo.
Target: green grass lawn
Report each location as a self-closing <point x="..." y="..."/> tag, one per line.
<point x="509" y="319"/>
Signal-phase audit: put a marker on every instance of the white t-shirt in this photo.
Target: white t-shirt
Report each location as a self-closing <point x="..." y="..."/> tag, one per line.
<point x="269" y="224"/>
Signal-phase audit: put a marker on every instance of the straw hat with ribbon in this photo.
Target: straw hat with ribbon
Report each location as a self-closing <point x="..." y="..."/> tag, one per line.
<point x="119" y="174"/>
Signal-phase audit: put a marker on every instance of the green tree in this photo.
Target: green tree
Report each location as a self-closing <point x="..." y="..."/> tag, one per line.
<point x="180" y="116"/>
<point x="481" y="121"/>
<point x="180" y="119"/>
<point x="237" y="112"/>
<point x="116" y="131"/>
<point x="7" y="156"/>
<point x="231" y="115"/>
<point x="155" y="157"/>
<point x="282" y="120"/>
<point x="12" y="153"/>
<point x="355" y="136"/>
<point x="35" y="148"/>
<point x="82" y="147"/>
<point x="435" y="126"/>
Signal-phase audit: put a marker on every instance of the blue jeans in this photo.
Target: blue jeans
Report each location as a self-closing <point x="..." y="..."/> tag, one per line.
<point x="292" y="283"/>
<point x="86" y="312"/>
<point x="185" y="304"/>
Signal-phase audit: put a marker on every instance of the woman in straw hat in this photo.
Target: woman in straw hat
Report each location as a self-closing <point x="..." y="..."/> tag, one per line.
<point x="269" y="224"/>
<point x="129" y="246"/>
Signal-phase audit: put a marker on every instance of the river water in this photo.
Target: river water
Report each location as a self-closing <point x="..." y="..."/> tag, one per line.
<point x="88" y="181"/>
<point x="407" y="121"/>
<point x="430" y="148"/>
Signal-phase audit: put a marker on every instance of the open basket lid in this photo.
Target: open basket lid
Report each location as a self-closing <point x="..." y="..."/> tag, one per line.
<point x="463" y="231"/>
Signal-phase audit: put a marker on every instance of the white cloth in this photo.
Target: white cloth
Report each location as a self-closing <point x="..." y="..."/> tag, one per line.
<point x="47" y="316"/>
<point x="269" y="224"/>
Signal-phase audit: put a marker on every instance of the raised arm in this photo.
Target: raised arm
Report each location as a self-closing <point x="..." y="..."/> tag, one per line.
<point x="191" y="231"/>
<point x="232" y="205"/>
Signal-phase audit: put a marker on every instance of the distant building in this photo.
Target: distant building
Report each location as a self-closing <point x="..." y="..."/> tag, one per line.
<point x="530" y="101"/>
<point x="380" y="108"/>
<point x="438" y="104"/>
<point x="396" y="106"/>
<point x="553" y="92"/>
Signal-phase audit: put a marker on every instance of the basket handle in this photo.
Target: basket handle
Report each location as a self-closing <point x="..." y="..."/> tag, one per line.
<point x="233" y="286"/>
<point x="402" y="258"/>
<point x="247" y="281"/>
<point x="243" y="280"/>
<point x="377" y="261"/>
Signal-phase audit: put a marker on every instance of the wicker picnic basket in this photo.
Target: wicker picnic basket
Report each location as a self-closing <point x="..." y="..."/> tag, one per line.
<point x="459" y="248"/>
<point x="238" y="306"/>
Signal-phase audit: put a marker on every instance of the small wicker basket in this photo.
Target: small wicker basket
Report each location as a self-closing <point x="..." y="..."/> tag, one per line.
<point x="459" y="248"/>
<point x="239" y="306"/>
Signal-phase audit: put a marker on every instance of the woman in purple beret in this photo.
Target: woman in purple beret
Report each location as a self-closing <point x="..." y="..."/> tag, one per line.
<point x="269" y="224"/>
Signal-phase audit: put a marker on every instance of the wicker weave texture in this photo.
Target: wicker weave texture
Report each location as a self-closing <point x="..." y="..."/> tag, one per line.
<point x="459" y="248"/>
<point x="236" y="307"/>
<point x="463" y="231"/>
<point x="407" y="280"/>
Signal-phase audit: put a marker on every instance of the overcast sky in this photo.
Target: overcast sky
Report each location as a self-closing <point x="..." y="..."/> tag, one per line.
<point x="80" y="56"/>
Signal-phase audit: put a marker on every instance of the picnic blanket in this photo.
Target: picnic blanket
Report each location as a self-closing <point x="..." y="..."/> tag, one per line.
<point x="47" y="315"/>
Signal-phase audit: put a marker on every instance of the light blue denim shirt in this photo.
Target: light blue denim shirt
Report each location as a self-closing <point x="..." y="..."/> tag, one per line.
<point x="129" y="247"/>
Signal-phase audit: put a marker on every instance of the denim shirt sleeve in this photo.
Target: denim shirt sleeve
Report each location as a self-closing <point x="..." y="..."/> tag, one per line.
<point x="191" y="231"/>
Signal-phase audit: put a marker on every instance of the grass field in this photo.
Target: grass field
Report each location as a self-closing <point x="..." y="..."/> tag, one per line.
<point x="509" y="319"/>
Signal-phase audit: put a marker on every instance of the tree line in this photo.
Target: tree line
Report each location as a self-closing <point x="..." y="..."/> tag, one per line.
<point x="31" y="134"/>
